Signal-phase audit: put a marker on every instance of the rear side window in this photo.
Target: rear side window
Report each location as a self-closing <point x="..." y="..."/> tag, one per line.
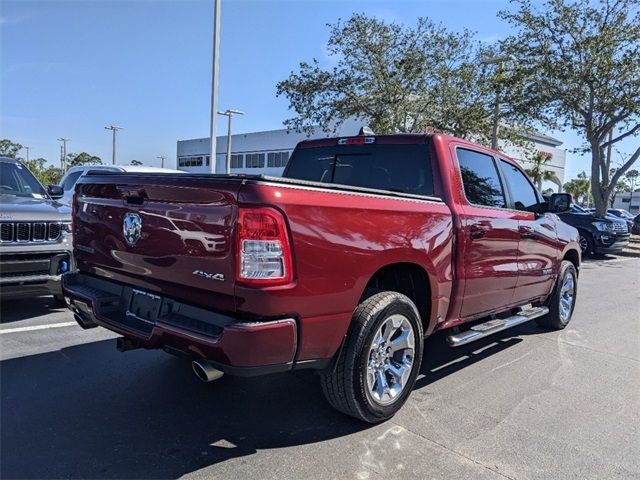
<point x="71" y="180"/>
<point x="522" y="193"/>
<point x="480" y="179"/>
<point x="397" y="168"/>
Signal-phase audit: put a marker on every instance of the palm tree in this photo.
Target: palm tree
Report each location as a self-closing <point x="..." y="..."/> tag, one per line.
<point x="539" y="172"/>
<point x="578" y="188"/>
<point x="632" y="177"/>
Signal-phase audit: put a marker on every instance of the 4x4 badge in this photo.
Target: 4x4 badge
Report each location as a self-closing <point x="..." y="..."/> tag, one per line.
<point x="132" y="228"/>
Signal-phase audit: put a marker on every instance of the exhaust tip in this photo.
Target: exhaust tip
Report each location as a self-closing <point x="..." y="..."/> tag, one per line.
<point x="84" y="322"/>
<point x="205" y="371"/>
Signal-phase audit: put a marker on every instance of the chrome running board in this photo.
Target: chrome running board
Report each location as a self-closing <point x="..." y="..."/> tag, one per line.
<point x="490" y="327"/>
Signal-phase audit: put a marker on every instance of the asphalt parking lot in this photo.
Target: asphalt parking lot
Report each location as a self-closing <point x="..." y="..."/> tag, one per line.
<point x="524" y="404"/>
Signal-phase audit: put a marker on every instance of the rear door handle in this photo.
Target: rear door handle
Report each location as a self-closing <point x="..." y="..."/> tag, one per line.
<point x="476" y="231"/>
<point x="527" y="232"/>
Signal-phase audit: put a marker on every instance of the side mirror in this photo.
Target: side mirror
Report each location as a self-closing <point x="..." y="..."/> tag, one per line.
<point x="55" y="191"/>
<point x="560" y="202"/>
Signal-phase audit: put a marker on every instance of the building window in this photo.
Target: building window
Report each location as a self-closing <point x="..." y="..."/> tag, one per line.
<point x="190" y="161"/>
<point x="277" y="159"/>
<point x="254" y="160"/>
<point x="237" y="161"/>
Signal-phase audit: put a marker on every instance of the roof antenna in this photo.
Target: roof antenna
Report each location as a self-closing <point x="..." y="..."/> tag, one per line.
<point x="365" y="131"/>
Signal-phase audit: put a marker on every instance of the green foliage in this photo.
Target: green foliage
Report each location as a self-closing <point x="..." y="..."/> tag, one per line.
<point x="83" y="158"/>
<point x="398" y="78"/>
<point x="9" y="148"/>
<point x="632" y="177"/>
<point x="580" y="68"/>
<point x="578" y="188"/>
<point x="46" y="174"/>
<point x="136" y="162"/>
<point x="538" y="171"/>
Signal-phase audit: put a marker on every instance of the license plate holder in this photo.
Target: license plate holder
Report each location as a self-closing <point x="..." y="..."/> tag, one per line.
<point x="144" y="306"/>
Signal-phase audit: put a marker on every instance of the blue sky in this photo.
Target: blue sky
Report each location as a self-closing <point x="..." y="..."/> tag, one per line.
<point x="70" y="68"/>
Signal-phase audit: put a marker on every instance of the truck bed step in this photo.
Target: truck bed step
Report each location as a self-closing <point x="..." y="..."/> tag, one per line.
<point x="490" y="327"/>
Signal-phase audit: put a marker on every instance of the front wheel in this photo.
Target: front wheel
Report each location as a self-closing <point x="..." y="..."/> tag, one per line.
<point x="586" y="244"/>
<point x="377" y="367"/>
<point x="563" y="299"/>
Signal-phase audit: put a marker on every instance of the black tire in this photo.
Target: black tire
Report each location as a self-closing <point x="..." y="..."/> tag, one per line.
<point x="59" y="301"/>
<point x="344" y="383"/>
<point x="555" y="320"/>
<point x="586" y="244"/>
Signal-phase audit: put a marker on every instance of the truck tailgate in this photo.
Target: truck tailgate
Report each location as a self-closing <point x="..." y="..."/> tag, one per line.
<point x="184" y="244"/>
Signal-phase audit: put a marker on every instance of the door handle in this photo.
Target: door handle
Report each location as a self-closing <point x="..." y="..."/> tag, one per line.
<point x="527" y="232"/>
<point x="476" y="231"/>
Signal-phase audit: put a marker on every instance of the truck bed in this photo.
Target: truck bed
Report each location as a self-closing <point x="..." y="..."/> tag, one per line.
<point x="189" y="226"/>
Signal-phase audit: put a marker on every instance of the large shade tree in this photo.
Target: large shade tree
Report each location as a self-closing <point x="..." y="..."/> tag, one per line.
<point x="398" y="78"/>
<point x="579" y="64"/>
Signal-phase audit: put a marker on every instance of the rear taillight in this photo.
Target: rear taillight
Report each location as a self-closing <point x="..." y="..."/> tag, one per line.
<point x="263" y="249"/>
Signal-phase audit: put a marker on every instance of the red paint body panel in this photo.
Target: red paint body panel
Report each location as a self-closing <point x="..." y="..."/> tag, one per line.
<point x="339" y="240"/>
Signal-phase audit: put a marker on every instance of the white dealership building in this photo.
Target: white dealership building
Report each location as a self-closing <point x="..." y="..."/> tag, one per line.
<point x="267" y="152"/>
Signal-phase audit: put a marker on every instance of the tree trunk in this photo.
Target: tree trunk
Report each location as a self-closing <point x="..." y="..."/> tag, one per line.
<point x="600" y="195"/>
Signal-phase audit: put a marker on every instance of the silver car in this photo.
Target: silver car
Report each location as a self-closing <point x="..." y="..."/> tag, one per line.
<point x="68" y="182"/>
<point x="35" y="234"/>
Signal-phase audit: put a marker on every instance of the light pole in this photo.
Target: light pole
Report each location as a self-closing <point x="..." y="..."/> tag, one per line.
<point x="500" y="61"/>
<point x="214" y="84"/>
<point x="27" y="149"/>
<point x="229" y="114"/>
<point x="113" y="129"/>
<point x="161" y="158"/>
<point x="63" y="163"/>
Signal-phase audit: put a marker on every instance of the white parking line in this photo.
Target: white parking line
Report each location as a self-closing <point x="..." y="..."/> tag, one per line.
<point x="36" y="327"/>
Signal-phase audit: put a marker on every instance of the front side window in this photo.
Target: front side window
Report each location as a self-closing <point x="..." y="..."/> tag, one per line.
<point x="522" y="193"/>
<point x="480" y="179"/>
<point x="16" y="180"/>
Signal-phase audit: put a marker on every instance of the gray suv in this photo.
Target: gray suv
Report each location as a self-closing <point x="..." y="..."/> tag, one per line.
<point x="35" y="234"/>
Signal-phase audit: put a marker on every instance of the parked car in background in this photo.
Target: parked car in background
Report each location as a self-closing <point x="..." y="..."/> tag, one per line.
<point x="35" y="234"/>
<point x="69" y="180"/>
<point x="364" y="247"/>
<point x="623" y="214"/>
<point x="636" y="225"/>
<point x="609" y="234"/>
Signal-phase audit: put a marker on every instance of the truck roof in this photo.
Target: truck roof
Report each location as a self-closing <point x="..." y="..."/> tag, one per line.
<point x="396" y="138"/>
<point x="402" y="138"/>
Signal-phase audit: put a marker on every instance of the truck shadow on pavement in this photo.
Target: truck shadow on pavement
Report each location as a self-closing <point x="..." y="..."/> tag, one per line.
<point x="15" y="310"/>
<point x="88" y="411"/>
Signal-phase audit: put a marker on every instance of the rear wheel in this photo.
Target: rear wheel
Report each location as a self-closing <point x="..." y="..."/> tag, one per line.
<point x="563" y="299"/>
<point x="379" y="362"/>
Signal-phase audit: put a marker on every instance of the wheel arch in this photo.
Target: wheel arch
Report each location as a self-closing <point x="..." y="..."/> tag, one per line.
<point x="407" y="278"/>
<point x="573" y="256"/>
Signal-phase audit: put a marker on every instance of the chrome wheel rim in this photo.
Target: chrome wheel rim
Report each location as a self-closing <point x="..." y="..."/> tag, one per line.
<point x="584" y="244"/>
<point x="390" y="359"/>
<point x="567" y="295"/>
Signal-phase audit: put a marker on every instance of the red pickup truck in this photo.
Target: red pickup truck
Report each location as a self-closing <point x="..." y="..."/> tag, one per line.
<point x="366" y="246"/>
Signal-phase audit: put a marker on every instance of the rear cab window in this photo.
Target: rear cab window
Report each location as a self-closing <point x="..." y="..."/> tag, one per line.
<point x="403" y="168"/>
